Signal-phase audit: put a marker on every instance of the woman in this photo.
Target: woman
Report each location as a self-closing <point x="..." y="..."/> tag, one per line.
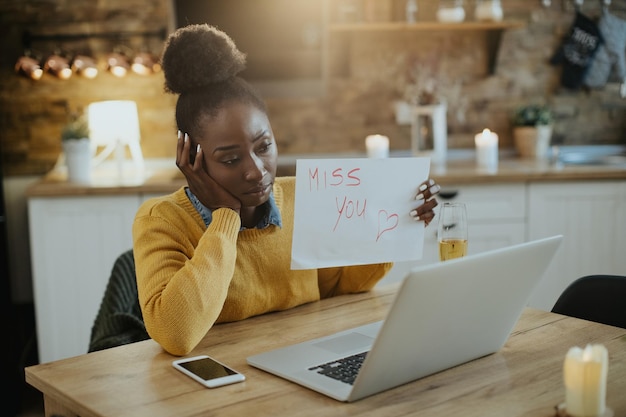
<point x="219" y="249"/>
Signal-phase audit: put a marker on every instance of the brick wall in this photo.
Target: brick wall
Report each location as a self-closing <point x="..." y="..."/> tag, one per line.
<point x="375" y="71"/>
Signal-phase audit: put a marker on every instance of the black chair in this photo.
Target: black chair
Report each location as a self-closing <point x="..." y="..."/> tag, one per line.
<point x="119" y="320"/>
<point x="599" y="298"/>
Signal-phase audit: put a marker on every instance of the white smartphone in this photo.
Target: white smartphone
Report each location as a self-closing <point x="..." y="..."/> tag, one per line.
<point x="208" y="371"/>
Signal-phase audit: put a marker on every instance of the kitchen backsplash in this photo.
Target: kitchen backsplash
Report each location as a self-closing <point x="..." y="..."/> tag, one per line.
<point x="368" y="71"/>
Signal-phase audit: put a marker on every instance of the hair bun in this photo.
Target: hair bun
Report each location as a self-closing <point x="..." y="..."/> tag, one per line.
<point x="196" y="56"/>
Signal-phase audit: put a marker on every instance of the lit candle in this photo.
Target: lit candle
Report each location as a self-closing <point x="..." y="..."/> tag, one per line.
<point x="377" y="146"/>
<point x="584" y="374"/>
<point x="487" y="149"/>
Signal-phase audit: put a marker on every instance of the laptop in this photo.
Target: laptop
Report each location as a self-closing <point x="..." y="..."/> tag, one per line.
<point x="444" y="314"/>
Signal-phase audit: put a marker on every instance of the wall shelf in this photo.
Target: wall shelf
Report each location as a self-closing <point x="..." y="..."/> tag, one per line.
<point x="342" y="32"/>
<point x="426" y="26"/>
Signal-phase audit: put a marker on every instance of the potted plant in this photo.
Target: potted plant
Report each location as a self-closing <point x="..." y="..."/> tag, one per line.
<point x="532" y="130"/>
<point x="77" y="149"/>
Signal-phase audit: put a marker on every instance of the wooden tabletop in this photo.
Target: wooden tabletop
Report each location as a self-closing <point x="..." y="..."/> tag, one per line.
<point x="523" y="379"/>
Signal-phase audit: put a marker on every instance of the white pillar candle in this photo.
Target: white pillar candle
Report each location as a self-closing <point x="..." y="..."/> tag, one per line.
<point x="377" y="146"/>
<point x="487" y="149"/>
<point x="584" y="374"/>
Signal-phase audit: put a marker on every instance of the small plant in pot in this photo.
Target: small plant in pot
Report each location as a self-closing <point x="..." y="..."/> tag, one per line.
<point x="533" y="115"/>
<point x="532" y="130"/>
<point x="77" y="128"/>
<point x="77" y="150"/>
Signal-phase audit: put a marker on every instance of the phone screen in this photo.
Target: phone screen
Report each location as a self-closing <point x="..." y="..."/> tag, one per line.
<point x="207" y="368"/>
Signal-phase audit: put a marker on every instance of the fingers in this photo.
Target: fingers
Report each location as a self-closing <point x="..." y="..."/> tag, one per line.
<point x="182" y="150"/>
<point x="427" y="189"/>
<point x="198" y="159"/>
<point x="179" y="147"/>
<point x="188" y="159"/>
<point x="425" y="211"/>
<point x="425" y="195"/>
<point x="427" y="217"/>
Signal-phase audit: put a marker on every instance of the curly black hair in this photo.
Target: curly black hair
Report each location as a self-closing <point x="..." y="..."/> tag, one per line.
<point x="201" y="63"/>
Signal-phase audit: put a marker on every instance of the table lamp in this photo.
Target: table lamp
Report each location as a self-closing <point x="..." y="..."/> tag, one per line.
<point x="114" y="125"/>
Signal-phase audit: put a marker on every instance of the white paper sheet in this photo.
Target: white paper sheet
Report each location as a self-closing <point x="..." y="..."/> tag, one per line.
<point x="356" y="211"/>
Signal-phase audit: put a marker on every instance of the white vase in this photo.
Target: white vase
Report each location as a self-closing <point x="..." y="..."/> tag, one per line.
<point x="78" y="160"/>
<point x="533" y="141"/>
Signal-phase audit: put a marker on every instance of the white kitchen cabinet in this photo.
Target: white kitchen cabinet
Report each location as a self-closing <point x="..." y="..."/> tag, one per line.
<point x="592" y="217"/>
<point x="496" y="216"/>
<point x="74" y="242"/>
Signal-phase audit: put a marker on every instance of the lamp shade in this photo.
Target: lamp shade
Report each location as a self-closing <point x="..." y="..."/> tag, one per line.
<point x="145" y="64"/>
<point x="114" y="124"/>
<point x="28" y="67"/>
<point x="113" y="121"/>
<point x="85" y="66"/>
<point x="117" y="64"/>
<point x="58" y="66"/>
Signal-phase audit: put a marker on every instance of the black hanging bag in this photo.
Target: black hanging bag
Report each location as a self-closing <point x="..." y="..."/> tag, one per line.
<point x="577" y="50"/>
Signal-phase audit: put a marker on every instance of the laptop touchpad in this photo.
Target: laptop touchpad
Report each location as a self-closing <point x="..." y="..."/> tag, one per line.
<point x="347" y="342"/>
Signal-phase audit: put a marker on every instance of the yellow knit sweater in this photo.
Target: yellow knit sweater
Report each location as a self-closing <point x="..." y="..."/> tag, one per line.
<point x="190" y="277"/>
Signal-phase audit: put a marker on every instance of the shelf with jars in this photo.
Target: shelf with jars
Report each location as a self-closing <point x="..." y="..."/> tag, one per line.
<point x="426" y="26"/>
<point x="341" y="35"/>
<point x="414" y="15"/>
<point x="485" y="18"/>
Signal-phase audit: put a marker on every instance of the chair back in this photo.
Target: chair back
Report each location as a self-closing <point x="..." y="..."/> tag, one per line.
<point x="119" y="320"/>
<point x="598" y="298"/>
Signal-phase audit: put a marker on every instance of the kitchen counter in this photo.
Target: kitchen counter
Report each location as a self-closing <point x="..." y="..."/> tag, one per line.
<point x="77" y="231"/>
<point x="161" y="176"/>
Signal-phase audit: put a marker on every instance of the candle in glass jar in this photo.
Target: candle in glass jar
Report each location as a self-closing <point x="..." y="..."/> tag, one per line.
<point x="486" y="149"/>
<point x="584" y="374"/>
<point x="377" y="146"/>
<point x="450" y="11"/>
<point x="451" y="14"/>
<point x="488" y="10"/>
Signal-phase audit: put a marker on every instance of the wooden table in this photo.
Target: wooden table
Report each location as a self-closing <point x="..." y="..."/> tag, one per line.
<point x="523" y="379"/>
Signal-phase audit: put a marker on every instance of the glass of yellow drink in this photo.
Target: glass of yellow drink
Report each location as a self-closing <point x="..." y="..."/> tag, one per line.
<point x="452" y="231"/>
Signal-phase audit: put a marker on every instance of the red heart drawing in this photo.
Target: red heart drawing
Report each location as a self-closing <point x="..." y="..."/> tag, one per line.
<point x="386" y="222"/>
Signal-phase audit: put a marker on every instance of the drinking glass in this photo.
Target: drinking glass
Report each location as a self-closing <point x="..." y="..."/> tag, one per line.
<point x="452" y="231"/>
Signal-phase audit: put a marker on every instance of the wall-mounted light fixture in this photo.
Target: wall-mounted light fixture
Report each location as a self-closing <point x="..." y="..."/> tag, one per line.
<point x="28" y="67"/>
<point x="58" y="66"/>
<point x="85" y="66"/>
<point x="117" y="63"/>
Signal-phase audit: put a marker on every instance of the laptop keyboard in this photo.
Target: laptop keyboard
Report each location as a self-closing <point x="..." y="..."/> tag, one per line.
<point x="344" y="369"/>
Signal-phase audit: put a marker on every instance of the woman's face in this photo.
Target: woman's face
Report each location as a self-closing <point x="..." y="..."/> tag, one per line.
<point x="240" y="152"/>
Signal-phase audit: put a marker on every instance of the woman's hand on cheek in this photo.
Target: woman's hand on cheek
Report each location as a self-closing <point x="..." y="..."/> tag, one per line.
<point x="201" y="184"/>
<point x="426" y="196"/>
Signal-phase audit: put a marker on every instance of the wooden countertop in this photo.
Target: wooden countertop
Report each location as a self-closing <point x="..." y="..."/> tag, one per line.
<point x="158" y="178"/>
<point x="162" y="176"/>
